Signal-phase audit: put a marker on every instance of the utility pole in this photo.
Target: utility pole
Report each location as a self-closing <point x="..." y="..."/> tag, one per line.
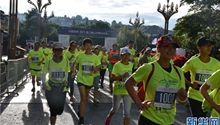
<point x="13" y="26"/>
<point x="2" y="27"/>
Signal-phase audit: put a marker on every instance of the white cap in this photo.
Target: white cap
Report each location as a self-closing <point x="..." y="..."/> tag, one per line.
<point x="57" y="45"/>
<point x="104" y="48"/>
<point x="148" y="48"/>
<point x="124" y="50"/>
<point x="97" y="46"/>
<point x="181" y="51"/>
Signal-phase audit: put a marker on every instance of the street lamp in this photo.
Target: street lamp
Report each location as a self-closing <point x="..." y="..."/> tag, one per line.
<point x="136" y="24"/>
<point x="167" y="13"/>
<point x="45" y="19"/>
<point x="39" y="9"/>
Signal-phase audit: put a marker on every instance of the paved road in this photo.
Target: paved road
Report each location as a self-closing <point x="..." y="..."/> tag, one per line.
<point x="32" y="109"/>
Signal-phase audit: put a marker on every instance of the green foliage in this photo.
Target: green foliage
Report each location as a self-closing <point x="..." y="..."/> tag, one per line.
<point x="203" y="20"/>
<point x="126" y="33"/>
<point x="28" y="28"/>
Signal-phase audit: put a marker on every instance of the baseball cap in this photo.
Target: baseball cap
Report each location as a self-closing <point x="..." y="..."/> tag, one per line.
<point x="166" y="40"/>
<point x="148" y="48"/>
<point x="57" y="45"/>
<point x="96" y="47"/>
<point x="114" y="44"/>
<point x="130" y="41"/>
<point x="124" y="50"/>
<point x="104" y="48"/>
<point x="203" y="41"/>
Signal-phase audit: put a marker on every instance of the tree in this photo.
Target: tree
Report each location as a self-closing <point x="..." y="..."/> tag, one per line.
<point x="100" y="25"/>
<point x="28" y="28"/>
<point x="126" y="33"/>
<point x="202" y="20"/>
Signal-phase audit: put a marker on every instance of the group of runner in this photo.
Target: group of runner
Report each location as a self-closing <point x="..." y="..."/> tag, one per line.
<point x="164" y="82"/>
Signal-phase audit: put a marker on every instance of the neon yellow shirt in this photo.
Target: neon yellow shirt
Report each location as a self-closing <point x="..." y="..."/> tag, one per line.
<point x="199" y="71"/>
<point x="120" y="69"/>
<point x="35" y="57"/>
<point x="57" y="71"/>
<point x="214" y="81"/>
<point x="46" y="51"/>
<point x="86" y="64"/>
<point x="132" y="50"/>
<point x="64" y="51"/>
<point x="104" y="61"/>
<point x="68" y="54"/>
<point x="98" y="73"/>
<point x="135" y="62"/>
<point x="162" y="89"/>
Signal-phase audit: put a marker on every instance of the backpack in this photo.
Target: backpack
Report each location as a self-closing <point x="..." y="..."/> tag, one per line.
<point x="142" y="91"/>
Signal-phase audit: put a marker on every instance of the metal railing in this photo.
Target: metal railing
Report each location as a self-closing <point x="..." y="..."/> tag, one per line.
<point x="13" y="74"/>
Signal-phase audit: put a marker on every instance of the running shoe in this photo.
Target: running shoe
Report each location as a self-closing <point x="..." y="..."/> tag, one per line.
<point x="81" y="121"/>
<point x="33" y="89"/>
<point x="107" y="121"/>
<point x="71" y="99"/>
<point x="95" y="101"/>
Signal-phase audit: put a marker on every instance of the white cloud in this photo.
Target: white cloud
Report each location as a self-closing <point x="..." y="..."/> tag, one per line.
<point x="108" y="10"/>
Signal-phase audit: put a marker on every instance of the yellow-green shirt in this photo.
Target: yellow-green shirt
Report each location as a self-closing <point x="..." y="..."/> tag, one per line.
<point x="35" y="57"/>
<point x="86" y="64"/>
<point x="68" y="54"/>
<point x="162" y="89"/>
<point x="214" y="81"/>
<point x="57" y="71"/>
<point x="46" y="51"/>
<point x="199" y="71"/>
<point x="104" y="61"/>
<point x="120" y="69"/>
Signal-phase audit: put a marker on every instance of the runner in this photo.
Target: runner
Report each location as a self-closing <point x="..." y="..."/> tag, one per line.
<point x="96" y="51"/>
<point x="56" y="87"/>
<point x="200" y="67"/>
<point x="104" y="62"/>
<point x="71" y="55"/>
<point x="121" y="71"/>
<point x="113" y="57"/>
<point x="35" y="58"/>
<point x="87" y="64"/>
<point x="166" y="82"/>
<point x="213" y="82"/>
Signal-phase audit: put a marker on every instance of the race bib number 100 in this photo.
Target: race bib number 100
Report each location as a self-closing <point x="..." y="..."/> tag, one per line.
<point x="202" y="75"/>
<point x="165" y="97"/>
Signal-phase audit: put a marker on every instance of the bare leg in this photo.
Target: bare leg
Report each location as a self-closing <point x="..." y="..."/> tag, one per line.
<point x="53" y="120"/>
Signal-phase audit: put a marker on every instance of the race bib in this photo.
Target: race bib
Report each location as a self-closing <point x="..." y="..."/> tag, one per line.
<point x="87" y="68"/>
<point x="120" y="86"/>
<point x="114" y="54"/>
<point x="165" y="97"/>
<point x="57" y="74"/>
<point x="122" y="81"/>
<point x="34" y="58"/>
<point x="201" y="75"/>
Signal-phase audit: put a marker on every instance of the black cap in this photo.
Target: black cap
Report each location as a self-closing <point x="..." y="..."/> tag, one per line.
<point x="203" y="41"/>
<point x="130" y="41"/>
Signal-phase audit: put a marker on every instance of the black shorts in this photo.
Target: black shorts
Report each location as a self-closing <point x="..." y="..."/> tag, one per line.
<point x="56" y="102"/>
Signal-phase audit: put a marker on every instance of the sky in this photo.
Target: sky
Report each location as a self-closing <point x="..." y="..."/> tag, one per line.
<point x="106" y="10"/>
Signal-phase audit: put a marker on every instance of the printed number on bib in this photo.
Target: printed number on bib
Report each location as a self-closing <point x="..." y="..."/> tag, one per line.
<point x="165" y="97"/>
<point x="34" y="59"/>
<point x="201" y="75"/>
<point x="114" y="54"/>
<point x="87" y="68"/>
<point x="122" y="81"/>
<point x="58" y="74"/>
